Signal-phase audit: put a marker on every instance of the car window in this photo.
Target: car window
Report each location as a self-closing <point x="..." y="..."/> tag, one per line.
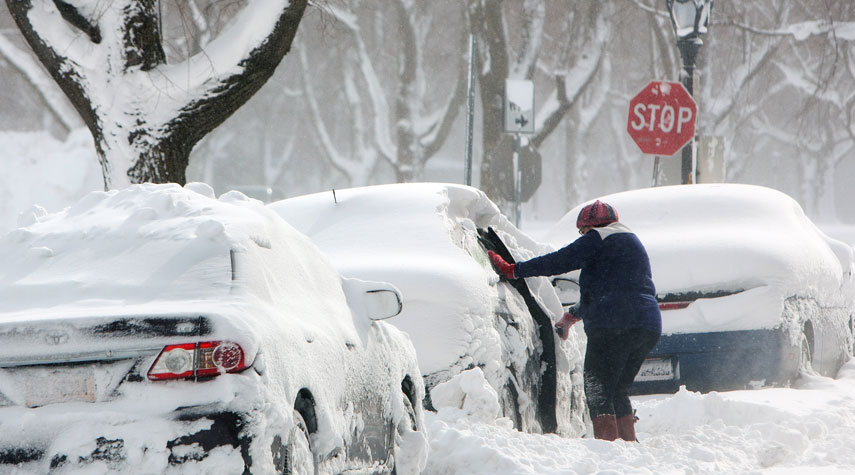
<point x="465" y="236"/>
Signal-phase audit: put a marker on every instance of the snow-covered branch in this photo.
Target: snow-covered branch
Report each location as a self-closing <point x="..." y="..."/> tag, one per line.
<point x="145" y="115"/>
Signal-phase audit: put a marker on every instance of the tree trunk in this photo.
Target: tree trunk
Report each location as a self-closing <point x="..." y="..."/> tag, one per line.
<point x="146" y="116"/>
<point x="498" y="62"/>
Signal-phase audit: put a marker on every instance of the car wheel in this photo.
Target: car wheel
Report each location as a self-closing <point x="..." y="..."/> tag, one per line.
<point x="805" y="355"/>
<point x="408" y="424"/>
<point x="852" y="335"/>
<point x="510" y="404"/>
<point x="300" y="460"/>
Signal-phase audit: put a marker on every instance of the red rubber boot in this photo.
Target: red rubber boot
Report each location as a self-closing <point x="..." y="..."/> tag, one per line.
<point x="605" y="427"/>
<point x="626" y="428"/>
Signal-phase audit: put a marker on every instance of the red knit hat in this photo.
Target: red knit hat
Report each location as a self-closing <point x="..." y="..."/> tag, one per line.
<point x="596" y="214"/>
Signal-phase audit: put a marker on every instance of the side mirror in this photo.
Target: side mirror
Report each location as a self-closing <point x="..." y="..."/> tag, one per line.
<point x="374" y="300"/>
<point x="568" y="290"/>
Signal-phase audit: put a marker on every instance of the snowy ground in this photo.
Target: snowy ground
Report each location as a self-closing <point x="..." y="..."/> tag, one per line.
<point x="809" y="429"/>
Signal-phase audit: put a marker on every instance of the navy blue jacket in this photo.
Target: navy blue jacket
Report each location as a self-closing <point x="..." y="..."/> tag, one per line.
<point x="615" y="282"/>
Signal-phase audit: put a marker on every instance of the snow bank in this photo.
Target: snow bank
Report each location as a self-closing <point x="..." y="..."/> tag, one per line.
<point x="805" y="430"/>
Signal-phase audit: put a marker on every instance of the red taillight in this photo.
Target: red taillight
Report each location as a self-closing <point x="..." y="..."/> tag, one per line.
<point x="192" y="360"/>
<point x="673" y="305"/>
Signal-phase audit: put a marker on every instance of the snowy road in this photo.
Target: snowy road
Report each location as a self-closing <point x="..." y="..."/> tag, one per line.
<point x="809" y="429"/>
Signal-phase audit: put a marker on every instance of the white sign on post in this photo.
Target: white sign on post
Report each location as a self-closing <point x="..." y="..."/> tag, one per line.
<point x="519" y="106"/>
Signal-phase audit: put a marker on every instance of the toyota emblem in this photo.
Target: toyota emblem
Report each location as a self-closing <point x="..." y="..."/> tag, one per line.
<point x="56" y="337"/>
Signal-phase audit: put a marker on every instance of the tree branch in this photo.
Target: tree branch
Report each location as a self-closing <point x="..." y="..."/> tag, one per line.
<point x="142" y="39"/>
<point x="63" y="70"/>
<point x="73" y="16"/>
<point x="221" y="99"/>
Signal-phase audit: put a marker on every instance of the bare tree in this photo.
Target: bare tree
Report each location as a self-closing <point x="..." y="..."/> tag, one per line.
<point x="577" y="57"/>
<point x="144" y="114"/>
<point x="786" y="96"/>
<point x="380" y="83"/>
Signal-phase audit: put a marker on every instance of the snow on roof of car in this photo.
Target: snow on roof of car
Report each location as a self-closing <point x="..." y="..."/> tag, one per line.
<point x="726" y="237"/>
<point x="132" y="244"/>
<point x="413" y="236"/>
<point x="166" y="249"/>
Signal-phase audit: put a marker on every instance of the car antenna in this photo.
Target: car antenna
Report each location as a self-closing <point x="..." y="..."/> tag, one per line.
<point x="333" y="196"/>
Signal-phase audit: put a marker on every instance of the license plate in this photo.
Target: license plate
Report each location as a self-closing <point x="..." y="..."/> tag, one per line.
<point x="51" y="386"/>
<point x="656" y="369"/>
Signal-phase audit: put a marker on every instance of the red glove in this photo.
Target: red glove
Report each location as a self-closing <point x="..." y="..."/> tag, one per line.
<point x="506" y="269"/>
<point x="562" y="327"/>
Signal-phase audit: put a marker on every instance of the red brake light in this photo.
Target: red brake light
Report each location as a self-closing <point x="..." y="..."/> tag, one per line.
<point x="191" y="360"/>
<point x="673" y="305"/>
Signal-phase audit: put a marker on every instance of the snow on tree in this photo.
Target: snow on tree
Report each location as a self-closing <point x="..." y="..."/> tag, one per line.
<point x="399" y="115"/>
<point x="144" y="114"/>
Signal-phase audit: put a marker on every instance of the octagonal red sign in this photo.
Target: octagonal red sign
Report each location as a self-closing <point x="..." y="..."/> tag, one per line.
<point x="662" y="118"/>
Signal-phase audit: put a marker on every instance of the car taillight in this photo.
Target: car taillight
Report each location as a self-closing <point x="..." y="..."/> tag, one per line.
<point x="192" y="360"/>
<point x="673" y="305"/>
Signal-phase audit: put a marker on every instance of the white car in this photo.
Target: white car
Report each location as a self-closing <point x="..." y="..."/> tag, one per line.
<point x="425" y="239"/>
<point x="751" y="291"/>
<point x="158" y="329"/>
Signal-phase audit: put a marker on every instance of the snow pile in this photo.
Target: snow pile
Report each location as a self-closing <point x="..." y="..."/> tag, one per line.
<point x="805" y="430"/>
<point x="133" y="245"/>
<point x="467" y="395"/>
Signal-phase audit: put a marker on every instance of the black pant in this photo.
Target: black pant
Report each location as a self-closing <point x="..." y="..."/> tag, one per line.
<point x="612" y="360"/>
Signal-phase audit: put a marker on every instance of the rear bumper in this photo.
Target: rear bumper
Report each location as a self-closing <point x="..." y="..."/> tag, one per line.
<point x="131" y="444"/>
<point x="722" y="361"/>
<point x="145" y="428"/>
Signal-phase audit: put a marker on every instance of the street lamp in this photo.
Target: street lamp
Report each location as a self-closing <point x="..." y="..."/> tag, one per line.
<point x="690" y="19"/>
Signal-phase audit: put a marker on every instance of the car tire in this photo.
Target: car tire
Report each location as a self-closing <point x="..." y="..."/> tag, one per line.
<point x="408" y="424"/>
<point x="851" y="335"/>
<point x="805" y="355"/>
<point x="509" y="401"/>
<point x="300" y="459"/>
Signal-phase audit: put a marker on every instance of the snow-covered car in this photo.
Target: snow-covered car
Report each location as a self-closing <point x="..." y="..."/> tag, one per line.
<point x="751" y="291"/>
<point x="428" y="240"/>
<point x="158" y="329"/>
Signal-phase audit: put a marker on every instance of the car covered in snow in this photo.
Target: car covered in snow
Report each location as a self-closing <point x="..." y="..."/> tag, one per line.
<point x="751" y="291"/>
<point x="428" y="239"/>
<point x="158" y="329"/>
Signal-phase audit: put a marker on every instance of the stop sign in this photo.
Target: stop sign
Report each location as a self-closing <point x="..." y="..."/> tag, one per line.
<point x="662" y="118"/>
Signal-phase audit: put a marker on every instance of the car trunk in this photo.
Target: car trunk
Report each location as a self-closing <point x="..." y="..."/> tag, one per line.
<point x="84" y="359"/>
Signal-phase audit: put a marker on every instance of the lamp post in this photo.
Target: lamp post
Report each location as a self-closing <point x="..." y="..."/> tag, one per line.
<point x="690" y="19"/>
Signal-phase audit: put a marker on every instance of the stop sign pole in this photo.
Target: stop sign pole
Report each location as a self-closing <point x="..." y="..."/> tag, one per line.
<point x="662" y="118"/>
